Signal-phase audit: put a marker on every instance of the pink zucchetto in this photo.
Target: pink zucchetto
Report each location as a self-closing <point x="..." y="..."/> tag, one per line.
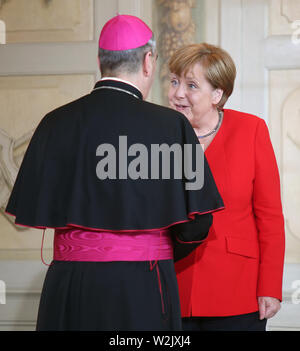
<point x="124" y="32"/>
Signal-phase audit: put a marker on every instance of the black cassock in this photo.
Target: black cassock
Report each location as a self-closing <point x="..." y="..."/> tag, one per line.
<point x="59" y="185"/>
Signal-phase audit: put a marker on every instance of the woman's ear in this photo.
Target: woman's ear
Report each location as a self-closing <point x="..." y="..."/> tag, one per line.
<point x="217" y="96"/>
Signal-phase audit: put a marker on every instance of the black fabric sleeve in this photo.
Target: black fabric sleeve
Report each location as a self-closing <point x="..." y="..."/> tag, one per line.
<point x="188" y="236"/>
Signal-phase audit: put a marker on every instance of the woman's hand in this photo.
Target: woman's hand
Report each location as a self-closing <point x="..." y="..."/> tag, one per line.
<point x="268" y="306"/>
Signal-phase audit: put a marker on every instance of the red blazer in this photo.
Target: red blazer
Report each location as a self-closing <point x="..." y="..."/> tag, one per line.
<point x="243" y="255"/>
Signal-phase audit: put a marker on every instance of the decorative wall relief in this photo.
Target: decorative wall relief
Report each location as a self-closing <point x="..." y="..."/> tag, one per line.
<point x="24" y="100"/>
<point x="282" y="15"/>
<point x="290" y="9"/>
<point x="176" y="28"/>
<point x="9" y="165"/>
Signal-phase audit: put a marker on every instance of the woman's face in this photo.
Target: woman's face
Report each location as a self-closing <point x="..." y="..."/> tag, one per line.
<point x="192" y="95"/>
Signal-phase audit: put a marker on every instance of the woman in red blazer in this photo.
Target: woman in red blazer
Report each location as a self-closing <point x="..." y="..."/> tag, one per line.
<point x="233" y="281"/>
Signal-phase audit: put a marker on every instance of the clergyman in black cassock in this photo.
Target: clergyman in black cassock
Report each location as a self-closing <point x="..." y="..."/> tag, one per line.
<point x="58" y="186"/>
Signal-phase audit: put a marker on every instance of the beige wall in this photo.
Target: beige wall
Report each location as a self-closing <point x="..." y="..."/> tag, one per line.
<point x="24" y="100"/>
<point x="48" y="20"/>
<point x="50" y="59"/>
<point x="26" y="95"/>
<point x="284" y="120"/>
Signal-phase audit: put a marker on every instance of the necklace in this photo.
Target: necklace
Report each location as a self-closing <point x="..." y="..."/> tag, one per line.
<point x="215" y="129"/>
<point x="119" y="89"/>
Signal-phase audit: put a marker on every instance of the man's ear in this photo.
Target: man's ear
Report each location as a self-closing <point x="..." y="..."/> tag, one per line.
<point x="99" y="65"/>
<point x="148" y="64"/>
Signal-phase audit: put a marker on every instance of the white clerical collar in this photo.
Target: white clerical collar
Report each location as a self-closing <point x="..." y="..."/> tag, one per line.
<point x="120" y="80"/>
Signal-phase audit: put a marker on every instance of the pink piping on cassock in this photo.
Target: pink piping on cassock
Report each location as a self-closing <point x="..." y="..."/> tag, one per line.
<point x="191" y="215"/>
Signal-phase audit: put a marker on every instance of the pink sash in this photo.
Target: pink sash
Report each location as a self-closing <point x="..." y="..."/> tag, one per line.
<point x="83" y="245"/>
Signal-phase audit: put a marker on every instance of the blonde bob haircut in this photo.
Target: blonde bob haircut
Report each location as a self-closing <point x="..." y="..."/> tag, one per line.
<point x="219" y="68"/>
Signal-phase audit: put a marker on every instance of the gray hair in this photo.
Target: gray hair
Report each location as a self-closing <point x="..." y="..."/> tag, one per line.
<point x="129" y="61"/>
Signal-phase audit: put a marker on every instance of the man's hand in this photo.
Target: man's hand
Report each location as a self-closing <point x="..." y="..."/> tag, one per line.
<point x="268" y="306"/>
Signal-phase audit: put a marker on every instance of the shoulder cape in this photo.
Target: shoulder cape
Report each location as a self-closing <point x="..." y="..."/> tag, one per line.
<point x="59" y="182"/>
